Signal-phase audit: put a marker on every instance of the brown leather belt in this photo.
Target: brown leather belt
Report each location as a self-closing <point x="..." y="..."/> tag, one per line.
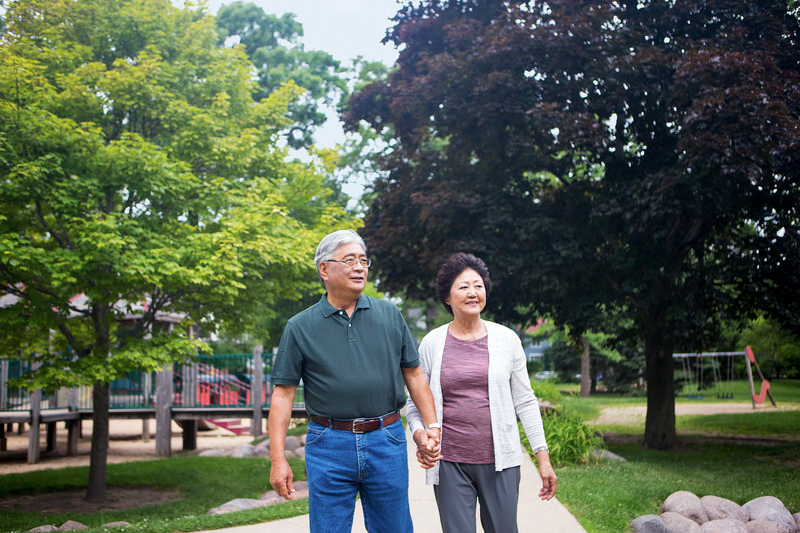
<point x="359" y="425"/>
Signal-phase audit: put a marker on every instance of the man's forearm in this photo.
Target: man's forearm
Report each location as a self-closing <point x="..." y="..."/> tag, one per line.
<point x="420" y="393"/>
<point x="280" y="416"/>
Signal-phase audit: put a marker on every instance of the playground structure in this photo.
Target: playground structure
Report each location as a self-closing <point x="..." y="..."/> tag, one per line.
<point x="721" y="365"/>
<point x="211" y="388"/>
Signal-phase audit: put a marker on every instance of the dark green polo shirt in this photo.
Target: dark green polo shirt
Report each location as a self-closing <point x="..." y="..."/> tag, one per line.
<point x="350" y="366"/>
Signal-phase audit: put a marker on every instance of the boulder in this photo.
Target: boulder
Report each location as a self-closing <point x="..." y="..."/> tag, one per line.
<point x="121" y="523"/>
<point x="71" y="525"/>
<point x="677" y="523"/>
<point x="726" y="525"/>
<point x="648" y="523"/>
<point x="292" y="443"/>
<point x="262" y="448"/>
<point x="268" y="498"/>
<point x="768" y="526"/>
<point x="796" y="521"/>
<point x="238" y="504"/>
<point x="301" y="453"/>
<point x="245" y="450"/>
<point x="771" y="509"/>
<point x="605" y="454"/>
<point x="219" y="452"/>
<point x="719" y="508"/>
<point x="686" y="503"/>
<point x="43" y="529"/>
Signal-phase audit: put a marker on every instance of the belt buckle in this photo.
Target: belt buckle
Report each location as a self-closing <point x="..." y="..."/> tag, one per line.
<point x="355" y="421"/>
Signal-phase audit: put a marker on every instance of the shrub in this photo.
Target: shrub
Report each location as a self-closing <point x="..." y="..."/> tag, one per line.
<point x="547" y="391"/>
<point x="569" y="440"/>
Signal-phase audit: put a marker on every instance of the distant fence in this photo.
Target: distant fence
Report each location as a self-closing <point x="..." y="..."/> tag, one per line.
<point x="208" y="382"/>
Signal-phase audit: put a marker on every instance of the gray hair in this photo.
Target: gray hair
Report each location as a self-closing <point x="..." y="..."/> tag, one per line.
<point x="332" y="242"/>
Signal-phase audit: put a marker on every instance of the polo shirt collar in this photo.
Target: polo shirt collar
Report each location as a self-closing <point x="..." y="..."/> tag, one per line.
<point x="328" y="309"/>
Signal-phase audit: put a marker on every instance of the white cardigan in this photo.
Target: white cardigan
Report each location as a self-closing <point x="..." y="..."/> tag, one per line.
<point x="510" y="395"/>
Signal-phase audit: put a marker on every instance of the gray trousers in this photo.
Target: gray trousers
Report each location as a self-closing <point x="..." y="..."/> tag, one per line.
<point x="461" y="485"/>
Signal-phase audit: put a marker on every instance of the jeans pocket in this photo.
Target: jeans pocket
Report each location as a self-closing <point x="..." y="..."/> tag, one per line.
<point x="314" y="435"/>
<point x="396" y="433"/>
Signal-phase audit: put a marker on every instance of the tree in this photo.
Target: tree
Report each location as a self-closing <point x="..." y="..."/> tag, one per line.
<point x="273" y="45"/>
<point x="137" y="170"/>
<point x="638" y="156"/>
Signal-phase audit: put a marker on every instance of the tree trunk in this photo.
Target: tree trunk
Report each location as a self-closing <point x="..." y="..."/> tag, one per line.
<point x="96" y="490"/>
<point x="586" y="376"/>
<point x="659" y="428"/>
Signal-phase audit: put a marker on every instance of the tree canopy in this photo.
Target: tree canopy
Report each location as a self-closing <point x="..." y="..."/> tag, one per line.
<point x="273" y="44"/>
<point x="139" y="177"/>
<point x="635" y="155"/>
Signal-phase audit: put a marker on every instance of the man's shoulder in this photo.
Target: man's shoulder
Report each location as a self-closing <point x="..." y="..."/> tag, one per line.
<point x="381" y="305"/>
<point x="310" y="313"/>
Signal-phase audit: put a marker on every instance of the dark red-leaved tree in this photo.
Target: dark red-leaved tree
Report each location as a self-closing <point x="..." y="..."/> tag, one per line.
<point x="635" y="155"/>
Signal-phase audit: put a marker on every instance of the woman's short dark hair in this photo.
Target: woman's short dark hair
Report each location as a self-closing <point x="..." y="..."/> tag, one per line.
<point x="452" y="268"/>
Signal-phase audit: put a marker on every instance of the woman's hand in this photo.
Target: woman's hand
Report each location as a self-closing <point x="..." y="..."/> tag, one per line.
<point x="548" y="475"/>
<point x="429" y="449"/>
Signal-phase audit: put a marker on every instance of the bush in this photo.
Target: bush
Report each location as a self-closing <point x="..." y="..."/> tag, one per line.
<point x="547" y="391"/>
<point x="569" y="440"/>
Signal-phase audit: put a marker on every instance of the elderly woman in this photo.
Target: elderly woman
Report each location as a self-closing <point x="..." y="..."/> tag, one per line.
<point x="477" y="373"/>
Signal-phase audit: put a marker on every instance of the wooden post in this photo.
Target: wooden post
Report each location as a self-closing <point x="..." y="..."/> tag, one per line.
<point x="164" y="411"/>
<point x="34" y="451"/>
<point x="51" y="436"/>
<point x="73" y="426"/>
<point x="3" y="397"/>
<point x="189" y="434"/>
<point x="257" y="390"/>
<point x="3" y="384"/>
<point x="147" y="393"/>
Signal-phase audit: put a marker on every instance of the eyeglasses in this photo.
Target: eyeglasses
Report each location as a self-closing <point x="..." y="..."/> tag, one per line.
<point x="350" y="263"/>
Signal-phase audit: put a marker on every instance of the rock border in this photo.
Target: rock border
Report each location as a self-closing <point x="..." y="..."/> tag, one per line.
<point x="685" y="512"/>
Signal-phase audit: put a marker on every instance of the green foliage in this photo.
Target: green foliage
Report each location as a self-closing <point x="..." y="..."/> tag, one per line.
<point x="200" y="482"/>
<point x="597" y="172"/>
<point x="546" y="390"/>
<point x="140" y="175"/>
<point x="569" y="440"/>
<point x="777" y="350"/>
<point x="272" y="44"/>
<point x="145" y="192"/>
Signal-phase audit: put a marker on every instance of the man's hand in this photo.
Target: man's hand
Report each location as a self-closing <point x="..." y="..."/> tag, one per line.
<point x="429" y="449"/>
<point x="280" y="477"/>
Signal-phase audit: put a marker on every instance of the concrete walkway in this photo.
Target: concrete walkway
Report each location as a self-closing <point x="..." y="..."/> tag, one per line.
<point x="533" y="515"/>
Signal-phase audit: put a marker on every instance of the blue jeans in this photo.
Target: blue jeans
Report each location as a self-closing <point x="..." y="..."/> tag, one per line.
<point x="341" y="464"/>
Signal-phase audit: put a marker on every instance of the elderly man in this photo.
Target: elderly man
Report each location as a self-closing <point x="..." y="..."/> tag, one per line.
<point x="353" y="354"/>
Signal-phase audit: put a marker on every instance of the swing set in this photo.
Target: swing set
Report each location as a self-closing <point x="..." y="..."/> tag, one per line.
<point x="720" y="364"/>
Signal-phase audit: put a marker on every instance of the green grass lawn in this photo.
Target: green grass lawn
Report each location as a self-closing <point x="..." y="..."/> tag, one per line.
<point x="734" y="456"/>
<point x="202" y="483"/>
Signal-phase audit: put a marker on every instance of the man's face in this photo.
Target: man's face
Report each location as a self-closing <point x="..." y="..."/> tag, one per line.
<point x="340" y="278"/>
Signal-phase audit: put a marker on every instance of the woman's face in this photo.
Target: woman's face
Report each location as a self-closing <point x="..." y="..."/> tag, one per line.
<point x="467" y="295"/>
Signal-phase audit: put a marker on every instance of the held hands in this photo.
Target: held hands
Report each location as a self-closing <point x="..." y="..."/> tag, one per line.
<point x="549" y="478"/>
<point x="429" y="449"/>
<point x="280" y="477"/>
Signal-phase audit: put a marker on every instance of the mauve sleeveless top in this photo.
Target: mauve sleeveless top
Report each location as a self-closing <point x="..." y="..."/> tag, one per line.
<point x="466" y="422"/>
